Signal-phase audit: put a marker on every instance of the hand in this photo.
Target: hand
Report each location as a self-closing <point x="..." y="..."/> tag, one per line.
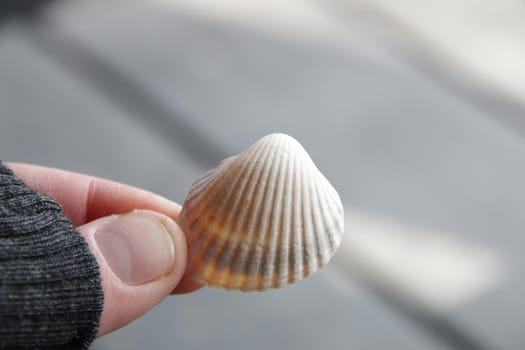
<point x="141" y="253"/>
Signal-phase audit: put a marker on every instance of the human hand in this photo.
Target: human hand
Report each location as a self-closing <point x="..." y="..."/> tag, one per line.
<point x="141" y="252"/>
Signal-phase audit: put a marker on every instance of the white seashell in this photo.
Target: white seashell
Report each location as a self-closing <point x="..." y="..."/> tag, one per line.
<point x="262" y="219"/>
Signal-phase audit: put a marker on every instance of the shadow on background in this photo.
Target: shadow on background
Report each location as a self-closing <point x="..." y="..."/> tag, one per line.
<point x="10" y="9"/>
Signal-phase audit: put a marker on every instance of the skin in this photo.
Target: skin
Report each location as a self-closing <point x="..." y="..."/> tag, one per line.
<point x="89" y="201"/>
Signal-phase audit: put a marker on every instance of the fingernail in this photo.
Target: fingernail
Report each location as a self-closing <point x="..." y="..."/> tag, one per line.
<point x="137" y="247"/>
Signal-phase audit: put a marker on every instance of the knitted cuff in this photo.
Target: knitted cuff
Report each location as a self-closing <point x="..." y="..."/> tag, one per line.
<point x="50" y="290"/>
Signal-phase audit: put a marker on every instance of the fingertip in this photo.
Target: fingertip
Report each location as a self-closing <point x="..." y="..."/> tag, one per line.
<point x="187" y="285"/>
<point x="142" y="257"/>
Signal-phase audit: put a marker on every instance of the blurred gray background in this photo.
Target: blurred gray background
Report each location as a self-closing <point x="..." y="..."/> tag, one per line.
<point x="413" y="110"/>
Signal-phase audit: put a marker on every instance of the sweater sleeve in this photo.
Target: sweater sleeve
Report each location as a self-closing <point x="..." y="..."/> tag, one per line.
<point x="50" y="291"/>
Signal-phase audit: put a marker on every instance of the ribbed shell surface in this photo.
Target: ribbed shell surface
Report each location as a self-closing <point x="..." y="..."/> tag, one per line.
<point x="262" y="219"/>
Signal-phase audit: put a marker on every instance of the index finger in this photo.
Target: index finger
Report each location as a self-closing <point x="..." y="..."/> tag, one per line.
<point x="86" y="198"/>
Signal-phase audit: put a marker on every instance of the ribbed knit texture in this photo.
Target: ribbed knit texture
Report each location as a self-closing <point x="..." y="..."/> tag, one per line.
<point x="50" y="290"/>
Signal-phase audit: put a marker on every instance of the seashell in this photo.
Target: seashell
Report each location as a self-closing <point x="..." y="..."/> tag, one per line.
<point x="262" y="219"/>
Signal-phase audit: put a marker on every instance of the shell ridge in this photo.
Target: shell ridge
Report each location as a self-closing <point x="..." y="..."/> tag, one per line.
<point x="324" y="230"/>
<point x="238" y="259"/>
<point x="309" y="244"/>
<point x="203" y="189"/>
<point x="232" y="227"/>
<point x="271" y="242"/>
<point x="297" y="228"/>
<point x="207" y="179"/>
<point x="264" y="220"/>
<point x="248" y="169"/>
<point x="198" y="250"/>
<point x="335" y="205"/>
<point x="335" y="202"/>
<point x="317" y="219"/>
<point x="271" y="239"/>
<point x="222" y="242"/>
<point x="327" y="227"/>
<point x="250" y="263"/>
<point x="289" y="235"/>
<point x="236" y="193"/>
<point x="281" y="253"/>
<point x="222" y="258"/>
<point x="214" y="175"/>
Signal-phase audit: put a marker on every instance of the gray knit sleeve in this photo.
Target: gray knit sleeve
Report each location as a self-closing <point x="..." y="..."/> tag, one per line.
<point x="50" y="291"/>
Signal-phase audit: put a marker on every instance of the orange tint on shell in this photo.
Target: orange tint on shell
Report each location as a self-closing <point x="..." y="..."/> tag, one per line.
<point x="262" y="219"/>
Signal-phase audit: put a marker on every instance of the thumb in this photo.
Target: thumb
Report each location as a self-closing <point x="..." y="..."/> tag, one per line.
<point x="142" y="257"/>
